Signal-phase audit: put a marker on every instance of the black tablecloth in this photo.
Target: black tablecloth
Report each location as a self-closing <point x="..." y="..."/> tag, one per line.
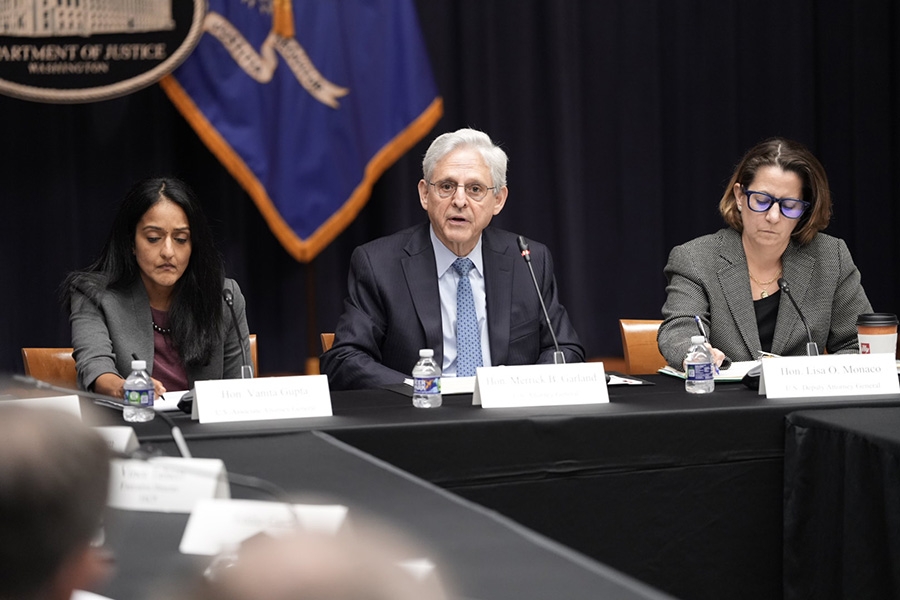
<point x="683" y="492"/>
<point x="842" y="504"/>
<point x="480" y="554"/>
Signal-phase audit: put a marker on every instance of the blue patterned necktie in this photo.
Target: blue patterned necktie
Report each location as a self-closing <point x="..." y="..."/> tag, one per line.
<point x="468" y="335"/>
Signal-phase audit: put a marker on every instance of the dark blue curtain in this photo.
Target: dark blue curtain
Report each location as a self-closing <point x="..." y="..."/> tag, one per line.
<point x="623" y="120"/>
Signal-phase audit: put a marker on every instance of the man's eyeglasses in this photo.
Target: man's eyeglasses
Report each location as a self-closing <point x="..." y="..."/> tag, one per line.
<point x="448" y="187"/>
<point x="792" y="208"/>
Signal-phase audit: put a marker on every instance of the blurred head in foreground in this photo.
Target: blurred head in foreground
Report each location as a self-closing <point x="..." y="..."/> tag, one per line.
<point x="361" y="565"/>
<point x="54" y="474"/>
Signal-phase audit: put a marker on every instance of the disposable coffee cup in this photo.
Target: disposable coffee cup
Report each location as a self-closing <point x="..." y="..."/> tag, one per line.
<point x="877" y="333"/>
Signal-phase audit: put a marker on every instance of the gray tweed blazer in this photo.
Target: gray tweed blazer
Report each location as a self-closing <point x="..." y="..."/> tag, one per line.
<point x="708" y="277"/>
<point x="105" y="333"/>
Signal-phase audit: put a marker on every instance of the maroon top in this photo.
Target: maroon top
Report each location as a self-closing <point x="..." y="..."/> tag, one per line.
<point x="167" y="366"/>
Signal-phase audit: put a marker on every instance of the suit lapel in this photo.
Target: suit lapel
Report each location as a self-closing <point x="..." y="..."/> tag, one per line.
<point x="498" y="279"/>
<point x="421" y="281"/>
<point x="735" y="286"/>
<point x="798" y="270"/>
<point x="141" y="325"/>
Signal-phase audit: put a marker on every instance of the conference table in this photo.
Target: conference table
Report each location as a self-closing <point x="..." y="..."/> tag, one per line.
<point x="681" y="492"/>
<point x="842" y="504"/>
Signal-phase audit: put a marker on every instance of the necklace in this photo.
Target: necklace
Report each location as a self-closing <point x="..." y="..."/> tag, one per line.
<point x="764" y="284"/>
<point x="159" y="329"/>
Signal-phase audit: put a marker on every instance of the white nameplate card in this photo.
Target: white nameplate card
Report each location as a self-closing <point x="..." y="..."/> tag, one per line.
<point x="540" y="385"/>
<point x="830" y="375"/>
<point x="166" y="484"/>
<point x="69" y="404"/>
<point x="119" y="438"/>
<point x="261" y="399"/>
<point x="217" y="525"/>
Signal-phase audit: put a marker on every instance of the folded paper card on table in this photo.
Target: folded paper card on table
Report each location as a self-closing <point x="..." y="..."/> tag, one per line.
<point x="831" y="375"/>
<point x="69" y="404"/>
<point x="165" y="483"/>
<point x="540" y="385"/>
<point x="260" y="399"/>
<point x="119" y="438"/>
<point x="217" y="525"/>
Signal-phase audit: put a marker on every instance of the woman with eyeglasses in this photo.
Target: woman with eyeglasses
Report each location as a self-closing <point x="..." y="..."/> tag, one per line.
<point x="776" y="205"/>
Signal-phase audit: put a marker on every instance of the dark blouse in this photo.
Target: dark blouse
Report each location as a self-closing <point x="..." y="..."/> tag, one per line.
<point x="766" y="316"/>
<point x="167" y="366"/>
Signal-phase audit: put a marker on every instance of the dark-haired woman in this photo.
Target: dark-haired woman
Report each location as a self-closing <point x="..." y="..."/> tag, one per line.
<point x="156" y="291"/>
<point x="776" y="205"/>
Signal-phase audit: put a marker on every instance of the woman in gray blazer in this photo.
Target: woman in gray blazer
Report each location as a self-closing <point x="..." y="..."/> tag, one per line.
<point x="156" y="292"/>
<point x="776" y="205"/>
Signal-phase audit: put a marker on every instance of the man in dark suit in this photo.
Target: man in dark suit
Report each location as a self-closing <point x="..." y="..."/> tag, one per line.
<point x="403" y="288"/>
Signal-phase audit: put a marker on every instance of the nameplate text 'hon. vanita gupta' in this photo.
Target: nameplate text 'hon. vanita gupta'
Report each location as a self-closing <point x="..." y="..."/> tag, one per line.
<point x="263" y="398"/>
<point x="540" y="385"/>
<point x="829" y="376"/>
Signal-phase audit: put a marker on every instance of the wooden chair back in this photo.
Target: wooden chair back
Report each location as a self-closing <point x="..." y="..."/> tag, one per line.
<point x="642" y="355"/>
<point x="253" y="355"/>
<point x="57" y="366"/>
<point x="327" y="340"/>
<point x="53" y="365"/>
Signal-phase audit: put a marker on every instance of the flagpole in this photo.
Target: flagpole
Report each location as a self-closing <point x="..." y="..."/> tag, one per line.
<point x="313" y="348"/>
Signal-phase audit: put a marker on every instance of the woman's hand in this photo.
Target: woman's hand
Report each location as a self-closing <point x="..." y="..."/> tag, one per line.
<point x="160" y="389"/>
<point x="717" y="355"/>
<point x="111" y="384"/>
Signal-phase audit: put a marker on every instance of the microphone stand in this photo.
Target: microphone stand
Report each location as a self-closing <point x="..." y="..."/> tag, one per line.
<point x="811" y="348"/>
<point x="246" y="368"/>
<point x="558" y="357"/>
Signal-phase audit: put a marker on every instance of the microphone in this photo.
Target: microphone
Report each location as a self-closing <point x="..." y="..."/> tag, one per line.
<point x="246" y="368"/>
<point x="558" y="357"/>
<point x="109" y="402"/>
<point x="811" y="348"/>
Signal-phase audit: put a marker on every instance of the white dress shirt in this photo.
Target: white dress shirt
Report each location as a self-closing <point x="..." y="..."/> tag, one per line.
<point x="448" y="280"/>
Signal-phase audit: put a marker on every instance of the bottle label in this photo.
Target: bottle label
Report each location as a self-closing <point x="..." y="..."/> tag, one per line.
<point x="142" y="398"/>
<point x="427" y="385"/>
<point x="700" y="371"/>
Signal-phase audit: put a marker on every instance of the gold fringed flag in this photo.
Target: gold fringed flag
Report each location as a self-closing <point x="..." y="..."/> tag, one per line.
<point x="307" y="103"/>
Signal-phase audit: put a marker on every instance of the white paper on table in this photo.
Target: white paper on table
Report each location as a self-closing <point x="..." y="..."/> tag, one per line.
<point x="453" y="385"/>
<point x="735" y="372"/>
<point x="169" y="401"/>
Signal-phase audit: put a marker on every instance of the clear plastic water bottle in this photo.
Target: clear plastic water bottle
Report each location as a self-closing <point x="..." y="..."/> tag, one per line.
<point x="426" y="381"/>
<point x="698" y="366"/>
<point x="139" y="391"/>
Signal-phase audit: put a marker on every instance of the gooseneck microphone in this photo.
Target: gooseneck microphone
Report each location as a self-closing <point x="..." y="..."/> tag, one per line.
<point x="811" y="348"/>
<point x="246" y="368"/>
<point x="109" y="402"/>
<point x="558" y="357"/>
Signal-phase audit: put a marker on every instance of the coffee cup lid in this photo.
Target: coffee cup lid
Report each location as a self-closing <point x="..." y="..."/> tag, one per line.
<point x="877" y="319"/>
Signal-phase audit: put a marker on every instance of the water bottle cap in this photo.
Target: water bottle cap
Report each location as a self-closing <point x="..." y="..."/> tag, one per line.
<point x="698" y="339"/>
<point x="426" y="353"/>
<point x="138" y="365"/>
